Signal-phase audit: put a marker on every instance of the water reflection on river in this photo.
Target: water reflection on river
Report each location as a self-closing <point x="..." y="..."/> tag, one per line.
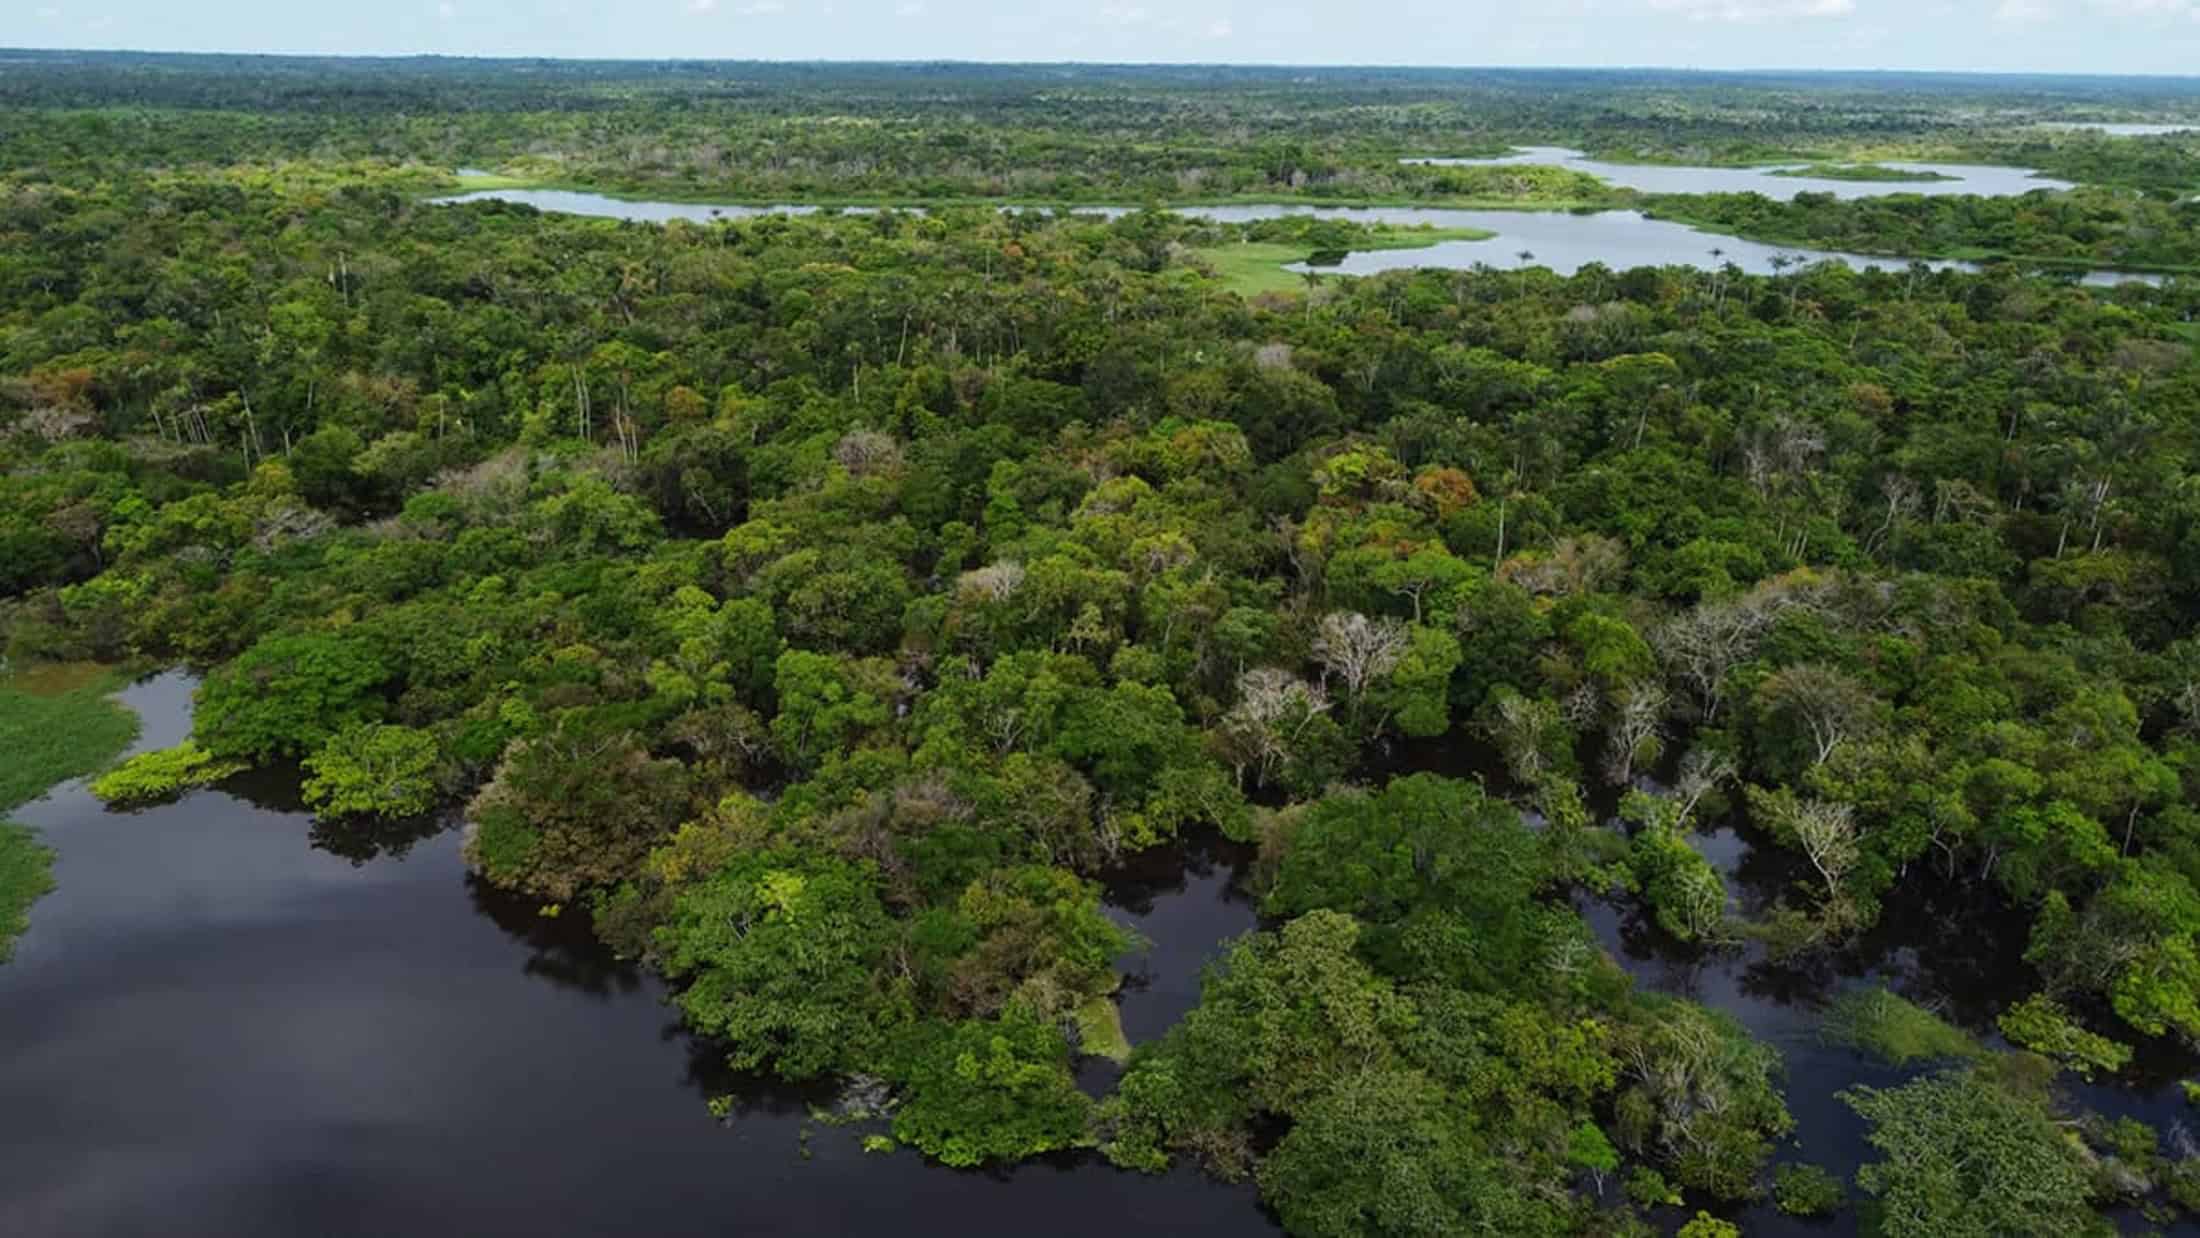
<point x="217" y="1027"/>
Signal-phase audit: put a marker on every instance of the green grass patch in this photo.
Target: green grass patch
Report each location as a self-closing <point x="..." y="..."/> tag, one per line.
<point x="26" y="874"/>
<point x="1897" y="1032"/>
<point x="1100" y="1030"/>
<point x="1254" y="267"/>
<point x="56" y="723"/>
<point x="473" y="182"/>
<point x="164" y="773"/>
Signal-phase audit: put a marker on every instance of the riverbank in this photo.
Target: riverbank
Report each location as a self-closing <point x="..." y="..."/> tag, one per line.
<point x="56" y="723"/>
<point x="1951" y="253"/>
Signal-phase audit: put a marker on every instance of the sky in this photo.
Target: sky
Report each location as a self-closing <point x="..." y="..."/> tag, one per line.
<point x="2074" y="36"/>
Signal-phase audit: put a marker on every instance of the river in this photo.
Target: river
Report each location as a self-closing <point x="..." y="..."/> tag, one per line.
<point x="1561" y="240"/>
<point x="224" y="1022"/>
<point x="228" y="1021"/>
<point x="1933" y="179"/>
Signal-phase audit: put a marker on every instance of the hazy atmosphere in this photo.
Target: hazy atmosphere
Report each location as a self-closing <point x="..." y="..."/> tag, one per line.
<point x="2072" y="36"/>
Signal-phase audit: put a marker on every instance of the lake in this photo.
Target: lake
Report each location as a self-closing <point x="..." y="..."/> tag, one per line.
<point x="1563" y="241"/>
<point x="228" y="1022"/>
<point x="1935" y="179"/>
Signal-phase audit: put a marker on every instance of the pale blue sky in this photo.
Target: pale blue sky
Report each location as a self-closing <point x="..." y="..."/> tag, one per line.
<point x="2089" y="36"/>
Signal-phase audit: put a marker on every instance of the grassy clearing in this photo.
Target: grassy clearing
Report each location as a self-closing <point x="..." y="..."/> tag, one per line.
<point x="474" y="182"/>
<point x="1897" y="1032"/>
<point x="1100" y="1030"/>
<point x="1859" y="172"/>
<point x="1255" y="267"/>
<point x="56" y="723"/>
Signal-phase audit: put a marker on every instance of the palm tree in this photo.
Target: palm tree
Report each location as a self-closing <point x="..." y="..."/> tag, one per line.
<point x="1526" y="256"/>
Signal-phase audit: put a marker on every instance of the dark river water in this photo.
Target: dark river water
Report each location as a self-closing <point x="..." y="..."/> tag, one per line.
<point x="218" y="1025"/>
<point x="228" y="1022"/>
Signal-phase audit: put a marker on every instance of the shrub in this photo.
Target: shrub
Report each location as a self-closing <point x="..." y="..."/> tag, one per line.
<point x="1806" y="1190"/>
<point x="374" y="770"/>
<point x="2040" y="1024"/>
<point x="150" y="777"/>
<point x="1897" y="1031"/>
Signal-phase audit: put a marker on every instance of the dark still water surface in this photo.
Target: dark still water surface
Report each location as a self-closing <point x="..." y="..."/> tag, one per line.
<point x="219" y="1026"/>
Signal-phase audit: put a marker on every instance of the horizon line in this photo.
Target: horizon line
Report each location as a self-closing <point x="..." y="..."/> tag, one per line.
<point x="1361" y="67"/>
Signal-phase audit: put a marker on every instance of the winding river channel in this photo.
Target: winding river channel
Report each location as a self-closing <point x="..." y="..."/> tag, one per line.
<point x="228" y="1021"/>
<point x="1561" y="240"/>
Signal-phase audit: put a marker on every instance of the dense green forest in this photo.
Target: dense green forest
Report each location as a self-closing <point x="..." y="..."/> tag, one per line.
<point x="819" y="605"/>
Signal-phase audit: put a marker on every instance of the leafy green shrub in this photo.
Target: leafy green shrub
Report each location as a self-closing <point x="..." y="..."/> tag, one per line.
<point x="1965" y="1157"/>
<point x="992" y="1090"/>
<point x="1649" y="1189"/>
<point x="1707" y="1226"/>
<point x="1806" y="1190"/>
<point x="374" y="770"/>
<point x="289" y="695"/>
<point x="2040" y="1024"/>
<point x="1898" y="1032"/>
<point x="150" y="777"/>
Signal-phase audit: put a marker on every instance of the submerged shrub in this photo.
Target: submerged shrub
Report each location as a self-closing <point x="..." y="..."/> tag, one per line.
<point x="1898" y="1032"/>
<point x="150" y="777"/>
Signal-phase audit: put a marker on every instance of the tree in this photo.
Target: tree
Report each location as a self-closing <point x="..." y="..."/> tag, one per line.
<point x="1359" y="650"/>
<point x="1827" y="706"/>
<point x="1277" y="721"/>
<point x="1635" y="734"/>
<point x="576" y="807"/>
<point x="289" y="695"/>
<point x="997" y="1090"/>
<point x="1825" y="832"/>
<point x="827" y="703"/>
<point x="1443" y="875"/>
<point x="374" y="770"/>
<point x="1700" y="1095"/>
<point x="1965" y="1158"/>
<point x="779" y="953"/>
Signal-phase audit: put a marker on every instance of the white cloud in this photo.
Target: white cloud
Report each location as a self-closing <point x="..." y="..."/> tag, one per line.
<point x="446" y="10"/>
<point x="909" y="8"/>
<point x="49" y="13"/>
<point x="1220" y="28"/>
<point x="761" y="8"/>
<point x="1755" y="10"/>
<point x="2023" y="12"/>
<point x="702" y="6"/>
<point x="1124" y="14"/>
